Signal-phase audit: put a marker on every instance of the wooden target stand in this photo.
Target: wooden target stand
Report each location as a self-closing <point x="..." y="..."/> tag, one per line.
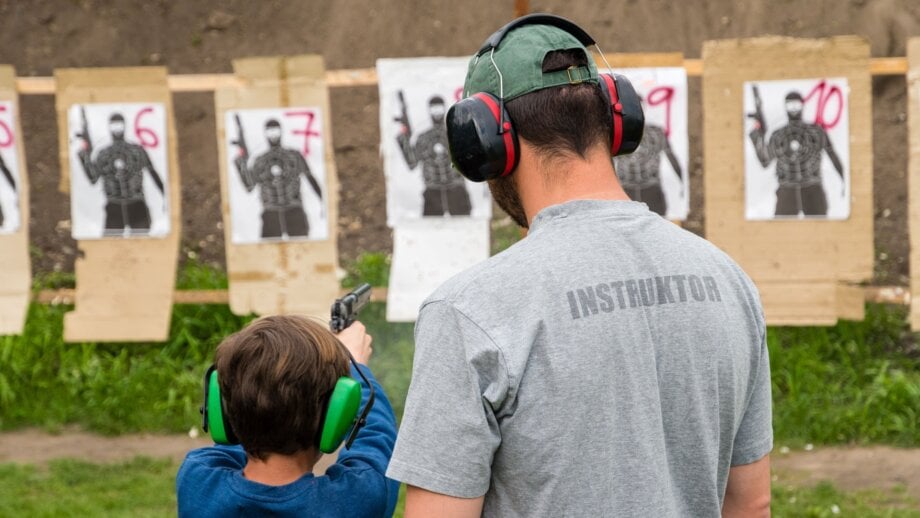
<point x="124" y="286"/>
<point x="281" y="277"/>
<point x="16" y="273"/>
<point x="913" y="172"/>
<point x="807" y="271"/>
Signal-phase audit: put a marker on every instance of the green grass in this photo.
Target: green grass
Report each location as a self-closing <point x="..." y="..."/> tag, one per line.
<point x="145" y="487"/>
<point x="109" y="388"/>
<point x="195" y="275"/>
<point x="119" y="388"/>
<point x="504" y="234"/>
<point x="824" y="499"/>
<point x="370" y="267"/>
<point x="393" y="350"/>
<point x="140" y="487"/>
<point x="856" y="382"/>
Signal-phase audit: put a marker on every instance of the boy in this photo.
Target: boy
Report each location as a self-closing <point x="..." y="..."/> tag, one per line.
<point x="275" y="379"/>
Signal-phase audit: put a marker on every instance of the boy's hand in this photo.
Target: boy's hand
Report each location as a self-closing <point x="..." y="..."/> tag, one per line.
<point x="357" y="341"/>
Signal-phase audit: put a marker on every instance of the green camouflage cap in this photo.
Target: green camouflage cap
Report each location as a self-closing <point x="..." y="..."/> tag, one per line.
<point x="519" y="58"/>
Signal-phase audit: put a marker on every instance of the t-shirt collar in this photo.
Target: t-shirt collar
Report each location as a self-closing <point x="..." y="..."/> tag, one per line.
<point x="579" y="208"/>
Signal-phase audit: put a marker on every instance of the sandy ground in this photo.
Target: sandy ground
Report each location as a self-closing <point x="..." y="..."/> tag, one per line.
<point x="875" y="467"/>
<point x="849" y="468"/>
<point x="31" y="446"/>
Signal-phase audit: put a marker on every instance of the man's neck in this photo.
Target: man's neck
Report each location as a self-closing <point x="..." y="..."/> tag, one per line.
<point x="278" y="470"/>
<point x="543" y="183"/>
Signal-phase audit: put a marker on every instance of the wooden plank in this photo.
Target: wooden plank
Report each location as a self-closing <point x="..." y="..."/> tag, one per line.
<point x="823" y="252"/>
<point x="124" y="286"/>
<point x="44" y="85"/>
<point x="521" y="7"/>
<point x="888" y="66"/>
<point x="642" y="60"/>
<point x="16" y="274"/>
<point x="799" y="303"/>
<point x="851" y="302"/>
<point x="281" y="277"/>
<point x="913" y="173"/>
<point x="67" y="296"/>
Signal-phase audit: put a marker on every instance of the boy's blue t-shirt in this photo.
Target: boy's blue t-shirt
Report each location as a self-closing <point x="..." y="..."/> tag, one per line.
<point x="210" y="481"/>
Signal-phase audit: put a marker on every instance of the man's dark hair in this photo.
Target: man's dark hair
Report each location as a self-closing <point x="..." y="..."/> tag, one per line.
<point x="566" y="119"/>
<point x="276" y="376"/>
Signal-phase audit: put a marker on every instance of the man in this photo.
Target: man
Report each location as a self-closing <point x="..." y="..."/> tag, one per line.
<point x="9" y="178"/>
<point x="445" y="191"/>
<point x="277" y="173"/>
<point x="797" y="148"/>
<point x="640" y="171"/>
<point x="608" y="364"/>
<point x="121" y="166"/>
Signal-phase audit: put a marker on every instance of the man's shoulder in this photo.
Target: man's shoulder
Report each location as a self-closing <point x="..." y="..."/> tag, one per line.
<point x="467" y="289"/>
<point x="694" y="249"/>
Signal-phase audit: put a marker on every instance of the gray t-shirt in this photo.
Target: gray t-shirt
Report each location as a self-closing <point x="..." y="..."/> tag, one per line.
<point x="610" y="364"/>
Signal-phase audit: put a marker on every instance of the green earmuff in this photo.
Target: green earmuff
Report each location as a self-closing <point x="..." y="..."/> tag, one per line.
<point x="340" y="416"/>
<point x="215" y="421"/>
<point x="341" y="413"/>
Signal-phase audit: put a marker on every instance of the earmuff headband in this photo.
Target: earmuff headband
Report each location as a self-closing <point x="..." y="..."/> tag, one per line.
<point x="537" y="19"/>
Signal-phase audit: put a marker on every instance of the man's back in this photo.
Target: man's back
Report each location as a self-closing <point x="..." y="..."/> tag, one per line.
<point x="605" y="365"/>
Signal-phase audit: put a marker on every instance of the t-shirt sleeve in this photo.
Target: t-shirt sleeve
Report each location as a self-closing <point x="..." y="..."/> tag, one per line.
<point x="359" y="471"/>
<point x="754" y="437"/>
<point x="449" y="432"/>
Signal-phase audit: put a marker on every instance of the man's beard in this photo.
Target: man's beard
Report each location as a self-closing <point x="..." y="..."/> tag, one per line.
<point x="504" y="191"/>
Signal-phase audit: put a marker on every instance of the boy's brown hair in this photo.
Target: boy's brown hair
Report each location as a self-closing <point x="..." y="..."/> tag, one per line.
<point x="276" y="376"/>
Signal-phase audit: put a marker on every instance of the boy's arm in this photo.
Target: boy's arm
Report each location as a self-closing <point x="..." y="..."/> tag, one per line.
<point x="370" y="452"/>
<point x="374" y="443"/>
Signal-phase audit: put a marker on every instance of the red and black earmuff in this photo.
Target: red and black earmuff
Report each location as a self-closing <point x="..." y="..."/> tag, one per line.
<point x="627" y="117"/>
<point x="481" y="136"/>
